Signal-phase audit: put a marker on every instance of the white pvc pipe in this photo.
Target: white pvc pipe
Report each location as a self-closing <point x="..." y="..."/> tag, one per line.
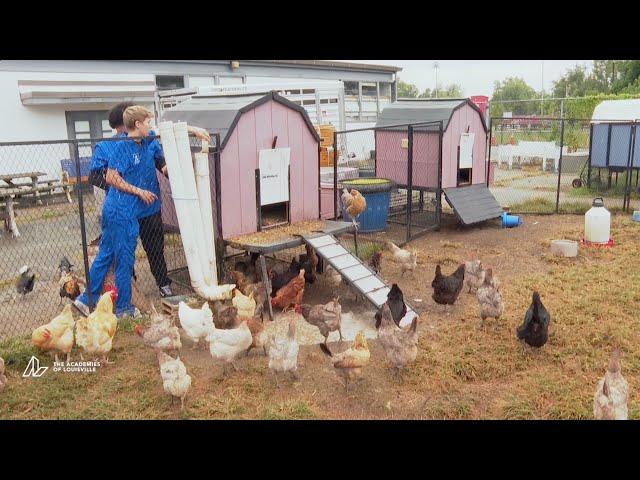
<point x="189" y="183"/>
<point x="203" y="184"/>
<point x="188" y="221"/>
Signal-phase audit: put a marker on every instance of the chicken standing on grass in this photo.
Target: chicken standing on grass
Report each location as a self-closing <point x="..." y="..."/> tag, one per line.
<point x="196" y="323"/>
<point x="447" y="288"/>
<point x="227" y="345"/>
<point x="349" y="364"/>
<point x="400" y="344"/>
<point x="535" y="328"/>
<point x="489" y="297"/>
<point x="175" y="379"/>
<point x="95" y="333"/>
<point x="26" y="281"/>
<point x="256" y="327"/>
<point x="327" y="317"/>
<point x="612" y="393"/>
<point x="57" y="335"/>
<point x="474" y="274"/>
<point x="283" y="352"/>
<point x="162" y="334"/>
<point x="408" y="260"/>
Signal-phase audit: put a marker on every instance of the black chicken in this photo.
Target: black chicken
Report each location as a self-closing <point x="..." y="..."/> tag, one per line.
<point x="535" y="329"/>
<point x="447" y="288"/>
<point x="69" y="282"/>
<point x="279" y="280"/>
<point x="308" y="261"/>
<point x="26" y="281"/>
<point x="398" y="308"/>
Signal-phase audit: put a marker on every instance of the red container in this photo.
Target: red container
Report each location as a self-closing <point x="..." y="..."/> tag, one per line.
<point x="482" y="102"/>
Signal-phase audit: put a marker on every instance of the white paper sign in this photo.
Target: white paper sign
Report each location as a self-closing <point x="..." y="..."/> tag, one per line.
<point x="274" y="175"/>
<point x="466" y="150"/>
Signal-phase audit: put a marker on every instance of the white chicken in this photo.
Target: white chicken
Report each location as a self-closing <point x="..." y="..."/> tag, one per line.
<point x="226" y="345"/>
<point x="612" y="393"/>
<point x="195" y="323"/>
<point x="175" y="380"/>
<point x="246" y="305"/>
<point x="162" y="334"/>
<point x="283" y="352"/>
<point x="489" y="297"/>
<point x="408" y="260"/>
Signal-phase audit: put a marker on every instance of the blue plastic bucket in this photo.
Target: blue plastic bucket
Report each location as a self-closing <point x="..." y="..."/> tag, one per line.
<point x="510" y="221"/>
<point x="374" y="218"/>
<point x="636" y="216"/>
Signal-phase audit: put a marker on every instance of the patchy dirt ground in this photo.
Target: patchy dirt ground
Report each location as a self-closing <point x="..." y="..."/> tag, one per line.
<point x="461" y="371"/>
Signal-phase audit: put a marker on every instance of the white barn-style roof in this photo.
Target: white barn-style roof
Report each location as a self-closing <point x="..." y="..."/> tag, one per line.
<point x="617" y="111"/>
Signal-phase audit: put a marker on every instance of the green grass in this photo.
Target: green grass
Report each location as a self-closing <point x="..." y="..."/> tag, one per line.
<point x="295" y="410"/>
<point x="543" y="205"/>
<point x="366" y="249"/>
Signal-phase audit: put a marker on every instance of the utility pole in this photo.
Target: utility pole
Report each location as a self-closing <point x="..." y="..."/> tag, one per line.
<point x="436" y="66"/>
<point x="542" y="102"/>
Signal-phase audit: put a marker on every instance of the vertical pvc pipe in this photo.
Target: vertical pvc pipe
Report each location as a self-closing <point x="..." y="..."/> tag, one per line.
<point x="204" y="194"/>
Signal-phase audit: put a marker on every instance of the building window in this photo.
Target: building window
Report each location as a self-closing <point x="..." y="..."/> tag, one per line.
<point x="385" y="91"/>
<point x="351" y="88"/>
<point x="169" y="82"/>
<point x="369" y="90"/>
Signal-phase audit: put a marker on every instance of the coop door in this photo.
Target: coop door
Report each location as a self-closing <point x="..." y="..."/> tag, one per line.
<point x="465" y="158"/>
<point x="274" y="187"/>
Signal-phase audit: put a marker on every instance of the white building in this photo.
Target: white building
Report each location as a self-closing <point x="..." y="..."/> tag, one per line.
<point x="56" y="100"/>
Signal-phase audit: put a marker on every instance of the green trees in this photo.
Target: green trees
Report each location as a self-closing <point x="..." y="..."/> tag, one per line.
<point x="409" y="90"/>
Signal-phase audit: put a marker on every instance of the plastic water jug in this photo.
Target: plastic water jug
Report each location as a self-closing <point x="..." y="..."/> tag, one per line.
<point x="597" y="223"/>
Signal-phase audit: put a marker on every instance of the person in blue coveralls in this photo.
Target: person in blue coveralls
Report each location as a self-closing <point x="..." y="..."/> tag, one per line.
<point x="135" y="189"/>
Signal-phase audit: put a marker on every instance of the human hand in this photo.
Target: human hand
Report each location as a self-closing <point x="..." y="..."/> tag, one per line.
<point x="147" y="197"/>
<point x="201" y="133"/>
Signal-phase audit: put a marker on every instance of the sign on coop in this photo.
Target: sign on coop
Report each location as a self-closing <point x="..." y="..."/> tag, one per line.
<point x="466" y="150"/>
<point x="274" y="175"/>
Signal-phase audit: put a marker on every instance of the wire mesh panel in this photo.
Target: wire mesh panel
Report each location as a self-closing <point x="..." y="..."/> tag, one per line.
<point x="40" y="184"/>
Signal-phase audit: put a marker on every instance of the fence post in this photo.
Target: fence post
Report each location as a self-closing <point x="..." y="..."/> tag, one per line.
<point x="335" y="175"/>
<point x="409" y="179"/>
<point x="560" y="164"/>
<point x="439" y="190"/>
<point x="83" y="228"/>
<point x="626" y="203"/>
<point x="489" y="153"/>
<point x="589" y="160"/>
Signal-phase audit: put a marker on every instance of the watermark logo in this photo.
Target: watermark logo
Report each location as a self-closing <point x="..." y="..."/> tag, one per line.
<point x="76" y="367"/>
<point x="34" y="369"/>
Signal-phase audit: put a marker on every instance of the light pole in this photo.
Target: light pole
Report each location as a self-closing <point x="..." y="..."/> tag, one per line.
<point x="542" y="102"/>
<point x="436" y="66"/>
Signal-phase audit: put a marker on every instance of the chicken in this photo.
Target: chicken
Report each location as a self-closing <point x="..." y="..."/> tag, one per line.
<point x="489" y="297"/>
<point x="283" y="352"/>
<point x="162" y="334"/>
<point x="246" y="306"/>
<point x="227" y="345"/>
<point x="349" y="363"/>
<point x="408" y="260"/>
<point x="358" y="205"/>
<point x="400" y="344"/>
<point x="291" y="293"/>
<point x="3" y="377"/>
<point x="226" y="316"/>
<point x="26" y="281"/>
<point x="395" y="299"/>
<point x="175" y="379"/>
<point x="57" y="335"/>
<point x="327" y="317"/>
<point x="95" y="333"/>
<point x="474" y="273"/>
<point x="308" y="262"/>
<point x="375" y="262"/>
<point x="279" y="280"/>
<point x="256" y="327"/>
<point x="535" y="329"/>
<point x="69" y="282"/>
<point x="195" y="323"/>
<point x="247" y="288"/>
<point x="612" y="393"/>
<point x="347" y="198"/>
<point x="447" y="288"/>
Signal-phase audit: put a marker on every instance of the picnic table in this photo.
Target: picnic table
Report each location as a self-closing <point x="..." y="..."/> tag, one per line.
<point x="9" y="190"/>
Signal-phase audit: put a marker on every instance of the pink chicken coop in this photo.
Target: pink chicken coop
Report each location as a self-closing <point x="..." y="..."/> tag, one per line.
<point x="252" y="127"/>
<point x="452" y="161"/>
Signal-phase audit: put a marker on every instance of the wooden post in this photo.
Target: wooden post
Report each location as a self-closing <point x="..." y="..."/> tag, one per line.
<point x="12" y="216"/>
<point x="267" y="283"/>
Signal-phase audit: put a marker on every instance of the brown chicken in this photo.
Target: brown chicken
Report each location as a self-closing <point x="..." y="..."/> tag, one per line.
<point x="349" y="363"/>
<point x="327" y="317"/>
<point x="279" y="280"/>
<point x="400" y="344"/>
<point x="226" y="316"/>
<point x="358" y="205"/>
<point x="489" y="297"/>
<point x="375" y="262"/>
<point x="162" y="334"/>
<point x="447" y="288"/>
<point x="291" y="294"/>
<point x="256" y="327"/>
<point x="69" y="282"/>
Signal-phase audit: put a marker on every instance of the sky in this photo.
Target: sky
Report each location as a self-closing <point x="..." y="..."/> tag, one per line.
<point x="476" y="77"/>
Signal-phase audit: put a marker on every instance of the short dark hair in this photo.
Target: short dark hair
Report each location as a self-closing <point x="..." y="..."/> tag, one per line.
<point x="115" y="115"/>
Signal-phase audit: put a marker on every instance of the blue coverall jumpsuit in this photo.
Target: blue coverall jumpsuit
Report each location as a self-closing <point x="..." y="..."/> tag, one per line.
<point x="135" y="162"/>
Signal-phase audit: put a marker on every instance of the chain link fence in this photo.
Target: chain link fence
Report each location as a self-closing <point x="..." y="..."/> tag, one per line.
<point x="541" y="165"/>
<point x="51" y="212"/>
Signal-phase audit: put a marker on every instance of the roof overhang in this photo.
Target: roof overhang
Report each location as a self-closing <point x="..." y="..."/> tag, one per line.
<point x="72" y="92"/>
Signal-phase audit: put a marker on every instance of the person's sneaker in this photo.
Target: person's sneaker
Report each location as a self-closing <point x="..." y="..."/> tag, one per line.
<point x="82" y="308"/>
<point x="134" y="313"/>
<point x="166" y="291"/>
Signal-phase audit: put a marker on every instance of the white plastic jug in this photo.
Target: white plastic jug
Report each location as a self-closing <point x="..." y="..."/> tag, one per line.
<point x="597" y="223"/>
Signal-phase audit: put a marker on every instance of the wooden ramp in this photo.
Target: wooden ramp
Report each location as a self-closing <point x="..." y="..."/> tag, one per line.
<point x="357" y="274"/>
<point x="473" y="204"/>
